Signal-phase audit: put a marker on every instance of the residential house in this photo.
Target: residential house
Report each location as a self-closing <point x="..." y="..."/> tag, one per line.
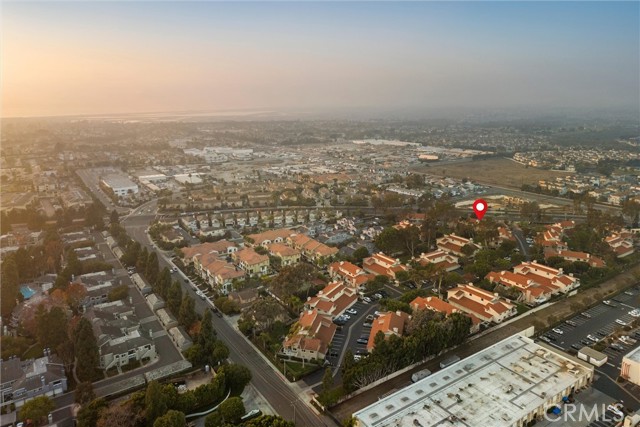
<point x="621" y="244"/>
<point x="333" y="300"/>
<point x="312" y="250"/>
<point x="180" y="338"/>
<point x="21" y="380"/>
<point x="349" y="273"/>
<point x="388" y="323"/>
<point x="287" y="254"/>
<point x="245" y="297"/>
<point x="310" y="336"/>
<point x="270" y="236"/>
<point x="454" y="245"/>
<point x="548" y="276"/>
<point x="221" y="249"/>
<point x="575" y="256"/>
<point x="383" y="265"/>
<point x="251" y="262"/>
<point x="441" y="259"/>
<point x="440" y="306"/>
<point x="486" y="306"/>
<point x="221" y="274"/>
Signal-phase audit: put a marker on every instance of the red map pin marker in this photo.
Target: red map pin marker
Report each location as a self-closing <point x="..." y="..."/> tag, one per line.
<point x="480" y="208"/>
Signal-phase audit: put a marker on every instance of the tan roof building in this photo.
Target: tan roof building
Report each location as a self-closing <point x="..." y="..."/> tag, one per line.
<point x="251" y="262"/>
<point x="486" y="306"/>
<point x="388" y="323"/>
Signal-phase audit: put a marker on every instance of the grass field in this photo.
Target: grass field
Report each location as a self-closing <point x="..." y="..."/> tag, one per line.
<point x="503" y="172"/>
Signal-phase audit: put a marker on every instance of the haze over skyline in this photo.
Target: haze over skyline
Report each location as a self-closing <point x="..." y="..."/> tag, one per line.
<point x="122" y="57"/>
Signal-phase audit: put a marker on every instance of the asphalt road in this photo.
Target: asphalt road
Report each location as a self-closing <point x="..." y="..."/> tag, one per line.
<point x="522" y="242"/>
<point x="601" y="324"/>
<point x="285" y="401"/>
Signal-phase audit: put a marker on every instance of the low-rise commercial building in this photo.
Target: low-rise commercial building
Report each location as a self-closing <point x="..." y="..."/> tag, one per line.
<point x="509" y="384"/>
<point x="630" y="369"/>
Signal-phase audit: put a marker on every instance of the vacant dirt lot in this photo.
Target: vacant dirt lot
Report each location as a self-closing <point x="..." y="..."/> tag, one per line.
<point x="503" y="172"/>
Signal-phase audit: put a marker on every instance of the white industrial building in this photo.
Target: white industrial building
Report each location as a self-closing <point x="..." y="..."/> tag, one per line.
<point x="120" y="185"/>
<point x="506" y="385"/>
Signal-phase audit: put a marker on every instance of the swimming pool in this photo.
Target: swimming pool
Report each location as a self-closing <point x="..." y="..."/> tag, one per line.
<point x="27" y="292"/>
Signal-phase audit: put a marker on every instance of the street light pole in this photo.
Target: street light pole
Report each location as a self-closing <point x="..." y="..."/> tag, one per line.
<point x="293" y="403"/>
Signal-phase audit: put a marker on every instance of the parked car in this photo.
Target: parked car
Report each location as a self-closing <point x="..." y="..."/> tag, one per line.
<point x="366" y="299"/>
<point x="377" y="296"/>
<point x="362" y="341"/>
<point x="593" y="338"/>
<point x="576" y="346"/>
<point x="607" y="302"/>
<point x="586" y="342"/>
<point x="352" y="311"/>
<point x="621" y="322"/>
<point x="254" y="413"/>
<point x="558" y="331"/>
<point x="369" y="317"/>
<point x="571" y="323"/>
<point x="545" y="338"/>
<point x="602" y="333"/>
<point x="367" y="324"/>
<point x="635" y="313"/>
<point x="585" y="314"/>
<point x="551" y="337"/>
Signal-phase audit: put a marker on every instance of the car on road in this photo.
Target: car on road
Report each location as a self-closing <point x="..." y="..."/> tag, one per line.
<point x="558" y="331"/>
<point x="352" y="311"/>
<point x="362" y="340"/>
<point x="621" y="322"/>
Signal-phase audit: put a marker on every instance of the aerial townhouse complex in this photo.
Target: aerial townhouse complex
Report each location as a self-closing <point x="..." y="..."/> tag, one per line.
<point x="484" y="305"/>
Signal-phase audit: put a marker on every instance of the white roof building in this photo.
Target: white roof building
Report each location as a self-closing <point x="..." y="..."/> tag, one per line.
<point x="508" y="384"/>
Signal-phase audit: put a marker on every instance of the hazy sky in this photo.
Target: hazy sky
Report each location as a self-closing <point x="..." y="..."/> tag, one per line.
<point x="117" y="57"/>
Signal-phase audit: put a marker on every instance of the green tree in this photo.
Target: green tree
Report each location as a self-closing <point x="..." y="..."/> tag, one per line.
<point x="51" y="327"/>
<point x="214" y="420"/>
<point x="187" y="315"/>
<point x="114" y="218"/>
<point x="84" y="393"/>
<point x="232" y="410"/>
<point x="237" y="377"/>
<point x="9" y="287"/>
<point x="37" y="409"/>
<point x="154" y="402"/>
<point x="163" y="283"/>
<point x="89" y="415"/>
<point x="268" y="421"/>
<point x="327" y="380"/>
<point x="171" y="419"/>
<point x="118" y="293"/>
<point x="359" y="254"/>
<point x="87" y="355"/>
<point x="74" y="266"/>
<point x="152" y="267"/>
<point x="174" y="297"/>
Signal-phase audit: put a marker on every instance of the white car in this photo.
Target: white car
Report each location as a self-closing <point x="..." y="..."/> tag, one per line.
<point x="621" y="322"/>
<point x="367" y="300"/>
<point x="346" y="316"/>
<point x="352" y="311"/>
<point x="635" y="313"/>
<point x="558" y="331"/>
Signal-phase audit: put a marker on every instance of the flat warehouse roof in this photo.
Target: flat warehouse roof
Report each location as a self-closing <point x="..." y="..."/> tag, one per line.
<point x="495" y="387"/>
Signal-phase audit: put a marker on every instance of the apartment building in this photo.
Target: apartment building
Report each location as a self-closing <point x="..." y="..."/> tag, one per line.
<point x="441" y="259"/>
<point x="21" y="380"/>
<point x="440" y="306"/>
<point x="251" y="262"/>
<point x="388" y="323"/>
<point x="486" y="306"/>
<point x="382" y="265"/>
<point x="333" y="300"/>
<point x="349" y="273"/>
<point x="287" y="254"/>
<point x="310" y="337"/>
<point x="454" y="245"/>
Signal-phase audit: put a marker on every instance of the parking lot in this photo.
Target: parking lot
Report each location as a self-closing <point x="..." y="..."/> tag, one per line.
<point x="599" y="322"/>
